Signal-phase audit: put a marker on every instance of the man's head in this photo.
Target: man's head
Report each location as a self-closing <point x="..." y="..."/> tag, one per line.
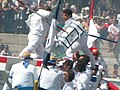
<point x="80" y="66"/>
<point x="67" y="65"/>
<point x="69" y="75"/>
<point x="26" y="55"/>
<point x="85" y="59"/>
<point x="67" y="13"/>
<point x="95" y="52"/>
<point x="75" y="56"/>
<point x="6" y="48"/>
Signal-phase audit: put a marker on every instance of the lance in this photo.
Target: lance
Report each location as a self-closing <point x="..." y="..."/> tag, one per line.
<point x="102" y="38"/>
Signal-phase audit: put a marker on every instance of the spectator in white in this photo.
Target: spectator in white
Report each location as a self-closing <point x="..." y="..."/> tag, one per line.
<point x="81" y="81"/>
<point x="115" y="71"/>
<point x="69" y="76"/>
<point x="82" y="13"/>
<point x="39" y="28"/>
<point x="114" y="32"/>
<point x="79" y="44"/>
<point x="6" y="51"/>
<point x="86" y="60"/>
<point x="23" y="74"/>
<point x="100" y="62"/>
<point x="87" y="11"/>
<point x="118" y="18"/>
<point x="75" y="12"/>
<point x="51" y="79"/>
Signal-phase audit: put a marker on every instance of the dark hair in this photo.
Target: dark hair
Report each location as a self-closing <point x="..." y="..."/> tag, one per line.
<point x="68" y="63"/>
<point x="71" y="75"/>
<point x="84" y="58"/>
<point x="68" y="12"/>
<point x="80" y="66"/>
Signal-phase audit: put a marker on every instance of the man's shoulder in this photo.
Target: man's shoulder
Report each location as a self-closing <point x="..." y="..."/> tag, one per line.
<point x="16" y="65"/>
<point x="32" y="66"/>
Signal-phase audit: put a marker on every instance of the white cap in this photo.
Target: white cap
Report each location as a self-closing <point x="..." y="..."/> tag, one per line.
<point x="73" y="7"/>
<point x="118" y="17"/>
<point x="87" y="8"/>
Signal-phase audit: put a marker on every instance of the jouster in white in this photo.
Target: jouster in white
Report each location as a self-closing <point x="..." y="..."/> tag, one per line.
<point x="39" y="28"/>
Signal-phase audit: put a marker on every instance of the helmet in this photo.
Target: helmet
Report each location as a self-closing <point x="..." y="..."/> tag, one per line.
<point x="94" y="51"/>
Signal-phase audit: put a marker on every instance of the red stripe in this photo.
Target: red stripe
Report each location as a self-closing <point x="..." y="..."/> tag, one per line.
<point x="38" y="63"/>
<point x="112" y="86"/>
<point x="92" y="9"/>
<point x="3" y="59"/>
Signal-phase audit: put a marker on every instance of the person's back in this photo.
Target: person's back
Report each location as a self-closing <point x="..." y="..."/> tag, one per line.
<point x="22" y="76"/>
<point x="51" y="79"/>
<point x="81" y="81"/>
<point x="69" y="76"/>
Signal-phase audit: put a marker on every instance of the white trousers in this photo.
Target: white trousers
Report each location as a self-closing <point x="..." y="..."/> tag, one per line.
<point x="35" y="44"/>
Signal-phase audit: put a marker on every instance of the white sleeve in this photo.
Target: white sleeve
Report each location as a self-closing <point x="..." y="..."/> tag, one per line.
<point x="11" y="75"/>
<point x="109" y="28"/>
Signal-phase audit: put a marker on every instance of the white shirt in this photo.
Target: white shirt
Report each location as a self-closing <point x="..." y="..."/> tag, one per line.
<point x="113" y="29"/>
<point x="75" y="16"/>
<point x="51" y="79"/>
<point x="68" y="86"/>
<point x="21" y="76"/>
<point x="81" y="81"/>
<point x="8" y="53"/>
<point x="103" y="85"/>
<point x="88" y="71"/>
